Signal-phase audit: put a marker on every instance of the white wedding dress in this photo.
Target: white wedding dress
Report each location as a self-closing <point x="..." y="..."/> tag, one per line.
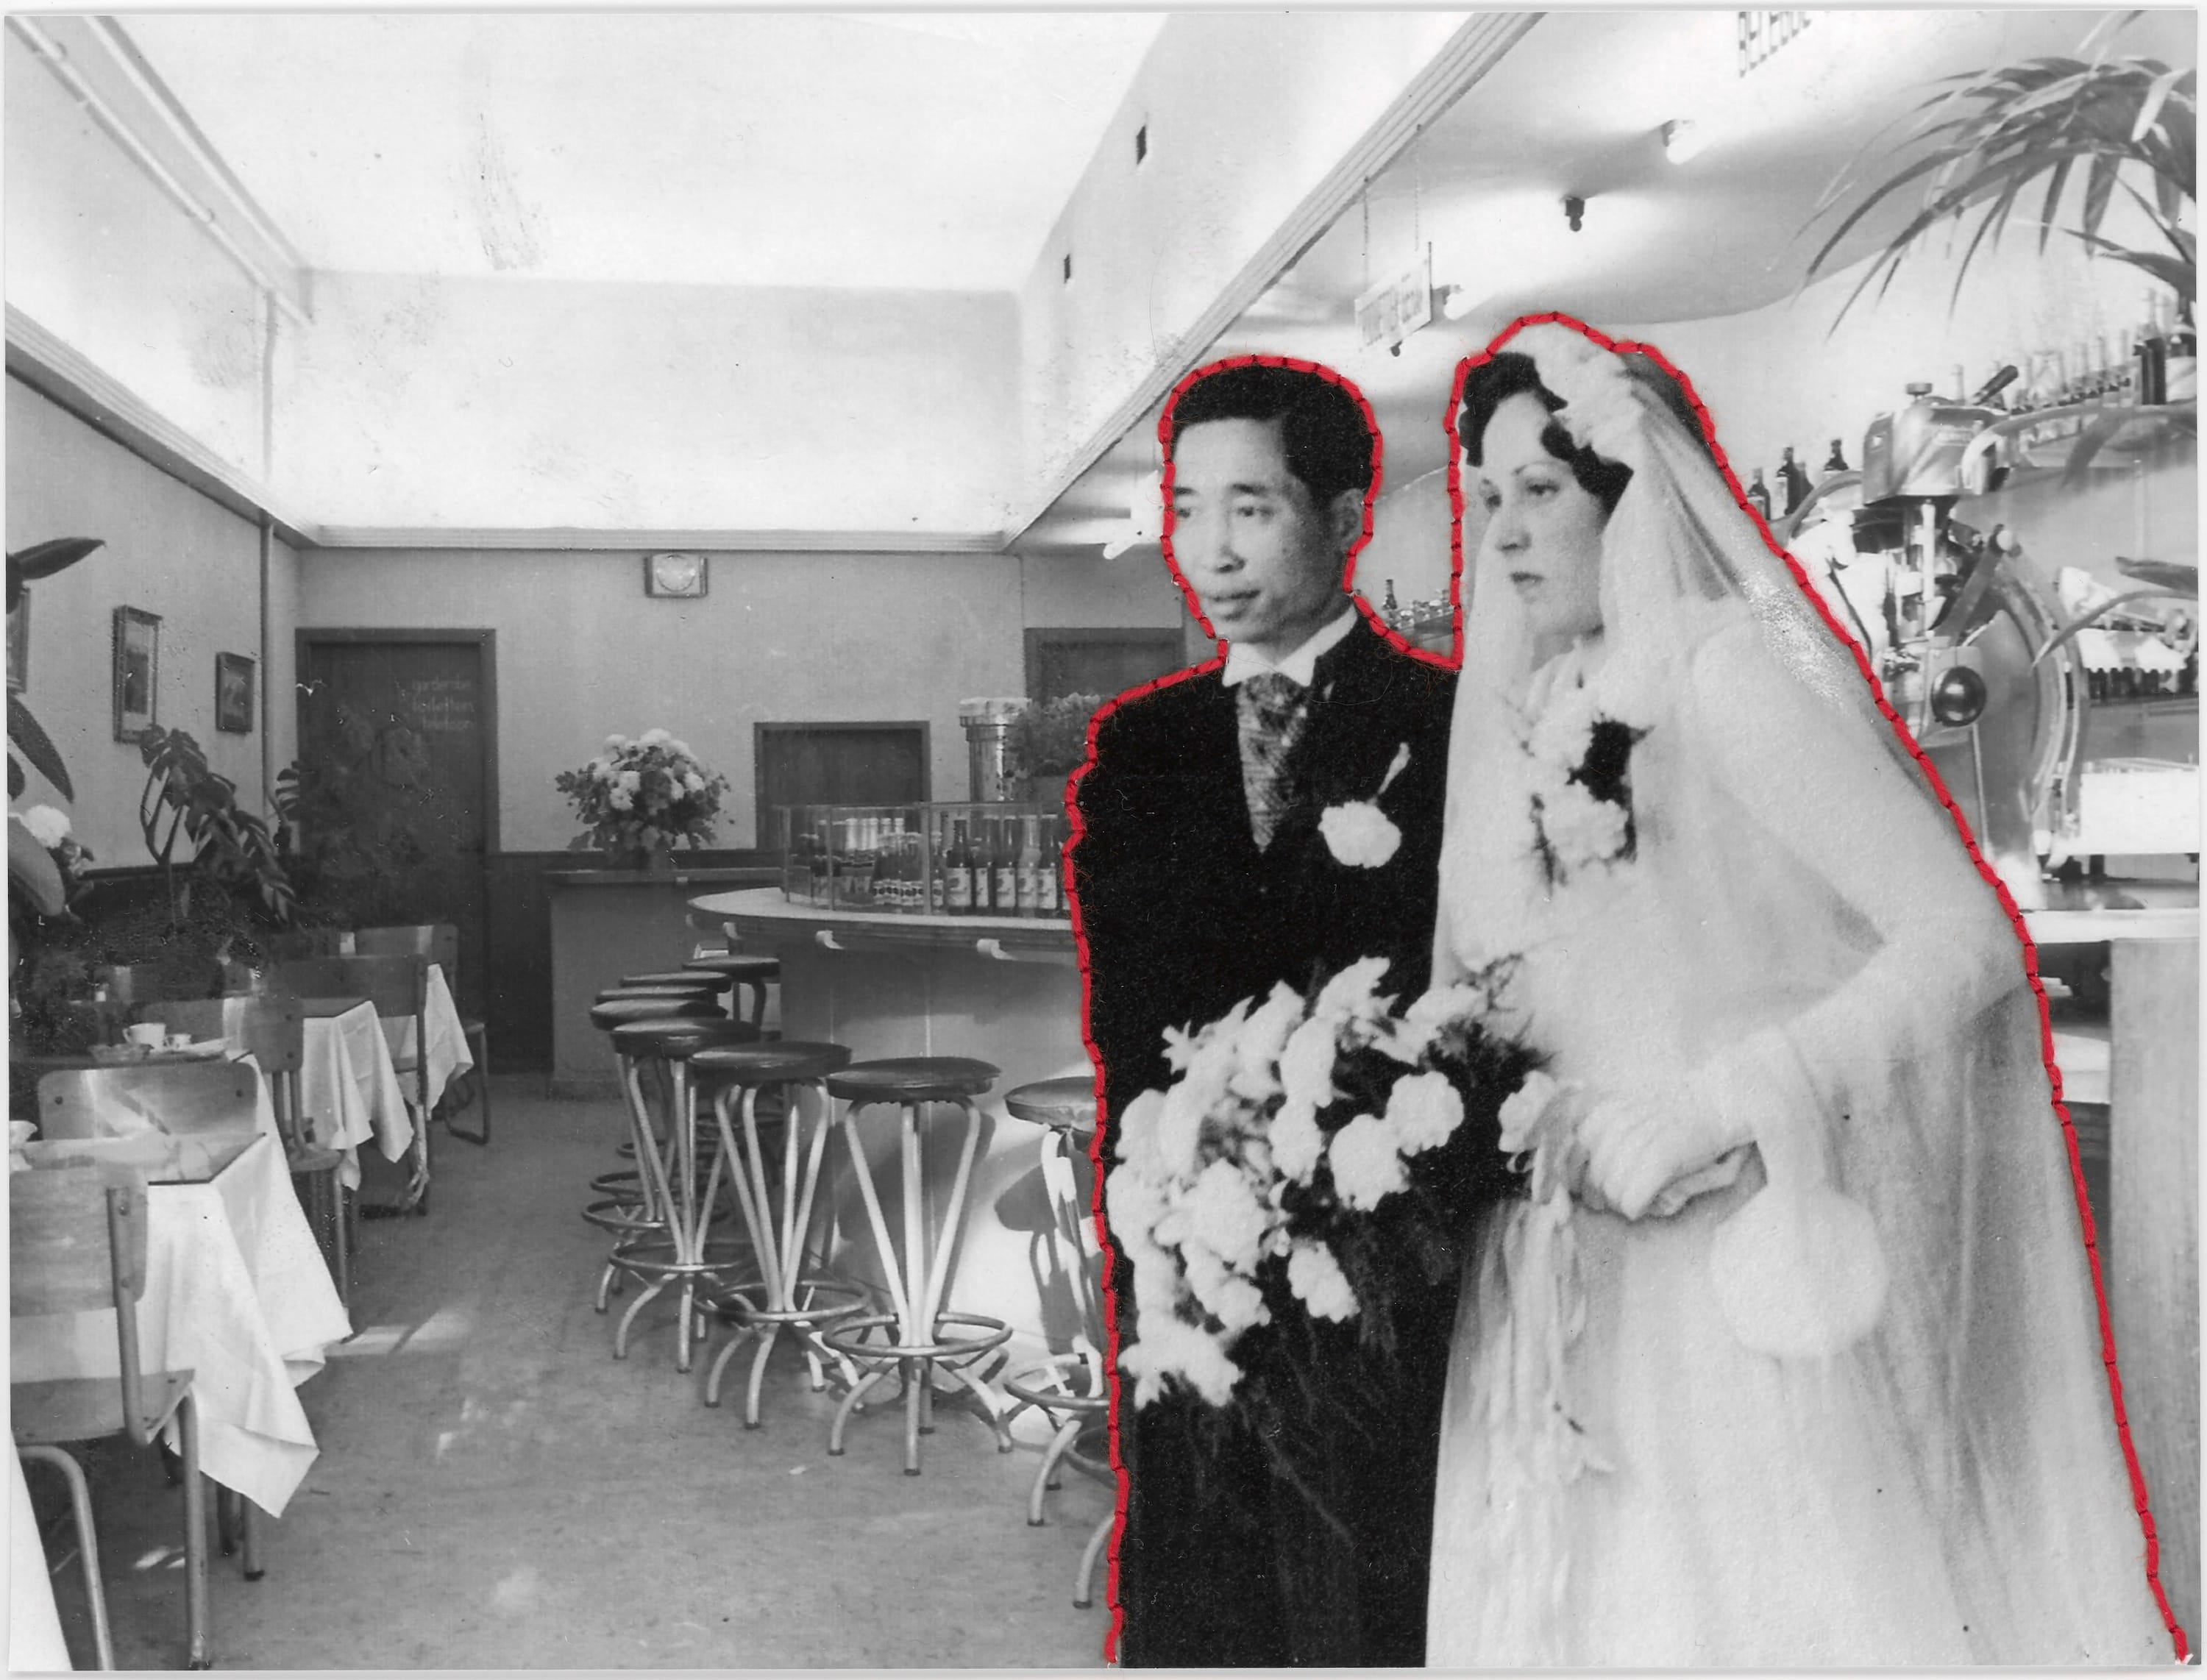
<point x="1866" y="1423"/>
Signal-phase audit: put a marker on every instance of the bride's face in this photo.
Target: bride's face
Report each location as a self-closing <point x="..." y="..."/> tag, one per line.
<point x="1543" y="526"/>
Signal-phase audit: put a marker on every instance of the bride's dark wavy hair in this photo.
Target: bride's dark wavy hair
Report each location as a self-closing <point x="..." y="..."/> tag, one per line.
<point x="1509" y="374"/>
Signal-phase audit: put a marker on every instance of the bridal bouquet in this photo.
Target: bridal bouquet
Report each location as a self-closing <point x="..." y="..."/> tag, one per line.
<point x="1318" y="1158"/>
<point x="644" y="795"/>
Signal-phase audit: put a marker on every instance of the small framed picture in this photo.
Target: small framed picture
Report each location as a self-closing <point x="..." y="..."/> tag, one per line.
<point x="233" y="694"/>
<point x="137" y="672"/>
<point x="18" y="644"/>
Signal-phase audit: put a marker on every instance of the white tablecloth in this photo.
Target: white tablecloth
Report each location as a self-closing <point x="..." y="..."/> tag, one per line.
<point x="236" y="1292"/>
<point x="448" y="1042"/>
<point x="349" y="1091"/>
<point x="35" y="1645"/>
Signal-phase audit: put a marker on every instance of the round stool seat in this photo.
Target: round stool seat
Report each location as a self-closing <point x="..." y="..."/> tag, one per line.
<point x="616" y="1012"/>
<point x="703" y="985"/>
<point x="771" y="1063"/>
<point x="1066" y="1105"/>
<point x="678" y="1039"/>
<point x="677" y="977"/>
<point x="736" y="967"/>
<point x="913" y="1078"/>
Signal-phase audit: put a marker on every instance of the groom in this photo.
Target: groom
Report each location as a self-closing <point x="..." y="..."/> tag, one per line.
<point x="1202" y="877"/>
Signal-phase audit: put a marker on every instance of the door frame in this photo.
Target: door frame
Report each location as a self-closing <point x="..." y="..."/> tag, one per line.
<point x="487" y="641"/>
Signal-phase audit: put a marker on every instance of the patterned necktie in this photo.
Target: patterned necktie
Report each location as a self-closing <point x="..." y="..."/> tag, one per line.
<point x="1272" y="709"/>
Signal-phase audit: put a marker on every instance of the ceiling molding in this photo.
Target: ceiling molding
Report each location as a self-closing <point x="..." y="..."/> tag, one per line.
<point x="76" y="384"/>
<point x="1463" y="61"/>
<point x="104" y="72"/>
<point x="640" y="540"/>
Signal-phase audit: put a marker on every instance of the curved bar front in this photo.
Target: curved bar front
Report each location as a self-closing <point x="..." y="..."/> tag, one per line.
<point x="1005" y="990"/>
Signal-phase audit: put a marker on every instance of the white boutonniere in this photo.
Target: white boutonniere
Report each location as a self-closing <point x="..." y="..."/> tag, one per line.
<point x="1357" y="832"/>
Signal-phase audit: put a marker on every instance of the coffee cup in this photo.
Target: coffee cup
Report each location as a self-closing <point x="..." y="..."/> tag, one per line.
<point x="149" y="1034"/>
<point x="180" y="1041"/>
<point x="21" y="1132"/>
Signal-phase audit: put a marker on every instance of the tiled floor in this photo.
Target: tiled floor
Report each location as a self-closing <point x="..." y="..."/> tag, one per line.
<point x="494" y="1491"/>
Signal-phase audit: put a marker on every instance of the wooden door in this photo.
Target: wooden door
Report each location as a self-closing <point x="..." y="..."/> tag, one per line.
<point x="399" y="730"/>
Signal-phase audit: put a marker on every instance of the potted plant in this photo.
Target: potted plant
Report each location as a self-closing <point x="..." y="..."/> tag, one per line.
<point x="1991" y="135"/>
<point x="638" y="797"/>
<point x="1049" y="741"/>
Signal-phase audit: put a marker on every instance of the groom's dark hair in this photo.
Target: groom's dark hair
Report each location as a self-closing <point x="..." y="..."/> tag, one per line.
<point x="1323" y="431"/>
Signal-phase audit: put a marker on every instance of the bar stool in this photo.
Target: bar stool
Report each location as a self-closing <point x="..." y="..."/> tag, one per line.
<point x="685" y="1253"/>
<point x="630" y="1209"/>
<point x="1070" y="1388"/>
<point x="921" y="1330"/>
<point x="784" y="1297"/>
<point x="742" y="973"/>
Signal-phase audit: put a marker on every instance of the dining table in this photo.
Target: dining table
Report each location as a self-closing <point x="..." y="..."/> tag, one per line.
<point x="235" y="1292"/>
<point x="351" y="1090"/>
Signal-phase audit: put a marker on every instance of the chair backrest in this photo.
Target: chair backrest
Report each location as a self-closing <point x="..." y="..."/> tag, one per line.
<point x="76" y="1239"/>
<point x="395" y="985"/>
<point x="439" y="942"/>
<point x="76" y="1242"/>
<point x="273" y="1031"/>
<point x="301" y="942"/>
<point x="181" y="1098"/>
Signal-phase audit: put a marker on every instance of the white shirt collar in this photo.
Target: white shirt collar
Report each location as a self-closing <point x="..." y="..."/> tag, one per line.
<point x="1245" y="662"/>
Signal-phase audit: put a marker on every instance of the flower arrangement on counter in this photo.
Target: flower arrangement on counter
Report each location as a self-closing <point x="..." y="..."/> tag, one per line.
<point x="640" y="796"/>
<point x="1051" y="738"/>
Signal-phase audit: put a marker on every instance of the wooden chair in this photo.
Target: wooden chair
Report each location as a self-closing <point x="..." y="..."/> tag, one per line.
<point x="183" y="1098"/>
<point x="76" y="1243"/>
<point x="398" y="989"/>
<point x="273" y="1031"/>
<point x="439" y="942"/>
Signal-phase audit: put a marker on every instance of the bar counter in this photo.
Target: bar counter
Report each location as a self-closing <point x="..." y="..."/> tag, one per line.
<point x="1005" y="990"/>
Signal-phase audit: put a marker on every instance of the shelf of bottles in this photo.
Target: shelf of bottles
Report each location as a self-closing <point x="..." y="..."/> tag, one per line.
<point x="988" y="858"/>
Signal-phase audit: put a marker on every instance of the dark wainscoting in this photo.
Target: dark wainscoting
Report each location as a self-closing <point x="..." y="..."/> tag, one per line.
<point x="517" y="1000"/>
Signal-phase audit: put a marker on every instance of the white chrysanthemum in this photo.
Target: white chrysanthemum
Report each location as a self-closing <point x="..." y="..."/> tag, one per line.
<point x="1525" y="1109"/>
<point x="652" y="737"/>
<point x="679" y="749"/>
<point x="1319" y="1284"/>
<point x="1226" y="1215"/>
<point x="1171" y="1348"/>
<point x="1359" y="834"/>
<point x="47" y="826"/>
<point x="1367" y="1166"/>
<point x="619" y="799"/>
<point x="1138" y="1130"/>
<point x="1132" y="1202"/>
<point x="693" y="781"/>
<point x="1581" y="829"/>
<point x="1298" y="1143"/>
<point x="1353" y="994"/>
<point x="1306" y="1065"/>
<point x="1234" y="1301"/>
<point x="630" y="781"/>
<point x="1257" y="1051"/>
<point x="1423" y="1111"/>
<point x="615" y="742"/>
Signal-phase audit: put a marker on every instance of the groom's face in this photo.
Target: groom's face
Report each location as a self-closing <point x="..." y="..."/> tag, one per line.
<point x="1263" y="554"/>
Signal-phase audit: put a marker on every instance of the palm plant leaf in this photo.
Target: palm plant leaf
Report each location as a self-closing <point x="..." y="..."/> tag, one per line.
<point x="26" y="733"/>
<point x="43" y="559"/>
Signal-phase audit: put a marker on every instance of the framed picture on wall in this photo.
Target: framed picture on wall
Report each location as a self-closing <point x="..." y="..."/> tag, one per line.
<point x="137" y="672"/>
<point x="233" y="694"/>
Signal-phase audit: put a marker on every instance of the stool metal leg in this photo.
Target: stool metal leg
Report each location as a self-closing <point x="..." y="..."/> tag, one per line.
<point x="1084" y="1587"/>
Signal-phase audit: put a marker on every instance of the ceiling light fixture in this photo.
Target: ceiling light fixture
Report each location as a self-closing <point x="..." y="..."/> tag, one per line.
<point x="1575" y="211"/>
<point x="1457" y="302"/>
<point x="1684" y="139"/>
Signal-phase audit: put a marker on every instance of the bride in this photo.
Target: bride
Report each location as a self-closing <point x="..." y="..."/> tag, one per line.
<point x="1792" y="1357"/>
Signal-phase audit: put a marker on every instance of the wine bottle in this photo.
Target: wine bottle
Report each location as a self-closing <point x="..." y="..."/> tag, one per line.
<point x="1759" y="494"/>
<point x="1837" y="463"/>
<point x="1795" y="477"/>
<point x="1003" y="859"/>
<point x="1029" y="867"/>
<point x="958" y="875"/>
<point x="2182" y="375"/>
<point x="1050" y="879"/>
<point x="1390" y="613"/>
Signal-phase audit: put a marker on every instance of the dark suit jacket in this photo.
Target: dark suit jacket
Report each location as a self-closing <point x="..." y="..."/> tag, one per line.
<point x="1220" y="1561"/>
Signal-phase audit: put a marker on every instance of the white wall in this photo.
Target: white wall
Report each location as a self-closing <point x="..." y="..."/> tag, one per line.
<point x="582" y="653"/>
<point x="169" y="551"/>
<point x="451" y="404"/>
<point x="1246" y="112"/>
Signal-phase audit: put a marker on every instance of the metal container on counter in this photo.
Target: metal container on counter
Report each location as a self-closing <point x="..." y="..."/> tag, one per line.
<point x="988" y="726"/>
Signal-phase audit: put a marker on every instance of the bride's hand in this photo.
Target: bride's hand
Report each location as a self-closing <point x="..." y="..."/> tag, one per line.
<point x="1637" y="1142"/>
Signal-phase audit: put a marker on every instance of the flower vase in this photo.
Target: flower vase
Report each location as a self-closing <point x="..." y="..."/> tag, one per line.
<point x="658" y="858"/>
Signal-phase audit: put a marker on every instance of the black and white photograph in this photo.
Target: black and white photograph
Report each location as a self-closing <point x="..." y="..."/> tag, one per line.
<point x="1422" y="890"/>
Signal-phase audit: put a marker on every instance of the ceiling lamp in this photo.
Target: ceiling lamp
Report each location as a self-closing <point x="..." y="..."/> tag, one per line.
<point x="1684" y="139"/>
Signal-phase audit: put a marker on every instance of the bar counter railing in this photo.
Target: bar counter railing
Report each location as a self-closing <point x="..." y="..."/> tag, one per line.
<point x="997" y="859"/>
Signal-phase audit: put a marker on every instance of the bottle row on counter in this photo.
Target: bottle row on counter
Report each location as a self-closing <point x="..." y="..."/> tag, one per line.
<point x="978" y="859"/>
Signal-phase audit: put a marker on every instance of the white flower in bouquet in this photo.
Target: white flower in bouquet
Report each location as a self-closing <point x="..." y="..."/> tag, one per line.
<point x="1367" y="1167"/>
<point x="1226" y="1215"/>
<point x="1423" y="1111"/>
<point x="620" y="800"/>
<point x="47" y="826"/>
<point x="1353" y="994"/>
<point x="1298" y="1142"/>
<point x="1171" y="1346"/>
<point x="1319" y="1284"/>
<point x="630" y="781"/>
<point x="652" y="737"/>
<point x="1564" y="733"/>
<point x="1359" y="833"/>
<point x="1581" y="828"/>
<point x="1234" y="1300"/>
<point x="1306" y="1065"/>
<point x="693" y="782"/>
<point x="614" y="743"/>
<point x="1256" y="1049"/>
<point x="1137" y="1138"/>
